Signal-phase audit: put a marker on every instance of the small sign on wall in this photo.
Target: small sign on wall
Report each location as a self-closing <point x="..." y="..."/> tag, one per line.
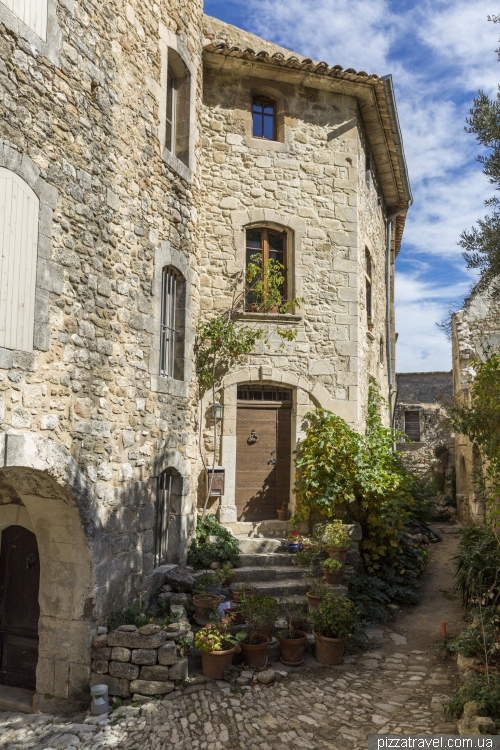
<point x="218" y="480"/>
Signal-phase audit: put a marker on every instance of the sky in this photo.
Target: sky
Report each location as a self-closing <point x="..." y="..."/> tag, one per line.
<point x="440" y="53"/>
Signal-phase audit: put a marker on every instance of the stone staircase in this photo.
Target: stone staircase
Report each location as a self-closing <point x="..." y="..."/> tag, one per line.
<point x="271" y="573"/>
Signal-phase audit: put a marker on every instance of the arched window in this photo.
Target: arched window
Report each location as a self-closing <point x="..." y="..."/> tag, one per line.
<point x="177" y="107"/>
<point x="19" y="207"/>
<point x="264" y="118"/>
<point x="172" y="324"/>
<point x="265" y="248"/>
<point x="33" y="13"/>
<point x="168" y="496"/>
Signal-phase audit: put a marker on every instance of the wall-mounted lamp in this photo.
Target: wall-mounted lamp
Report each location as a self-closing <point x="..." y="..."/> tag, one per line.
<point x="217" y="411"/>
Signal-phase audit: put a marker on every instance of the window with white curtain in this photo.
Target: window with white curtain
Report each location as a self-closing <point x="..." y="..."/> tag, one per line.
<point x="19" y="207"/>
<point x="33" y="13"/>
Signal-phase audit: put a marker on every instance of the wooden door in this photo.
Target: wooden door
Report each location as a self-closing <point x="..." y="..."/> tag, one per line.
<point x="19" y="608"/>
<point x="263" y="445"/>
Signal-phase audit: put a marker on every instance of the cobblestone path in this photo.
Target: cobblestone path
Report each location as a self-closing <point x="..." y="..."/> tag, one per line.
<point x="398" y="685"/>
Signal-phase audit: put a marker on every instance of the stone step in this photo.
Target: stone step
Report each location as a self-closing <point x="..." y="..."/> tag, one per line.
<point x="280" y="572"/>
<point x="273" y="560"/>
<point x="16" y="699"/>
<point x="277" y="588"/>
<point x="259" y="545"/>
<point x="267" y="529"/>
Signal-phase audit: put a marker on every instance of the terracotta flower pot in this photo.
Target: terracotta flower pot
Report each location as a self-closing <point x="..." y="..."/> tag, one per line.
<point x="236" y="613"/>
<point x="238" y="596"/>
<point x="213" y="662"/>
<point x="228" y="581"/>
<point x="255" y="654"/>
<point x="338" y="552"/>
<point x="334" y="579"/>
<point x="329" y="650"/>
<point x="204" y="605"/>
<point x="313" y="602"/>
<point x="267" y="631"/>
<point x="292" y="649"/>
<point x="282" y="514"/>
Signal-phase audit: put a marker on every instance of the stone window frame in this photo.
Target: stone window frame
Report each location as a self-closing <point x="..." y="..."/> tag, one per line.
<point x="165" y="255"/>
<point x="49" y="275"/>
<point x="169" y="43"/>
<point x="50" y="48"/>
<point x="295" y="229"/>
<point x="281" y="143"/>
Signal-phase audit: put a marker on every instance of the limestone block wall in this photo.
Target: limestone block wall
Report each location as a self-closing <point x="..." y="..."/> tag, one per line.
<point x="81" y="119"/>
<point x="475" y="334"/>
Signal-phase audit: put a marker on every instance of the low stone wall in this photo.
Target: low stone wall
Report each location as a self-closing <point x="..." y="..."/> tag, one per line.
<point x="138" y="663"/>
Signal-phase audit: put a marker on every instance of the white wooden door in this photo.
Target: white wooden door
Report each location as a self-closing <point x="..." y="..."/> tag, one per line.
<point x="18" y="257"/>
<point x="33" y="13"/>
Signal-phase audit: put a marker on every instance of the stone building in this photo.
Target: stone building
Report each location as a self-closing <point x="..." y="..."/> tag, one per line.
<point x="421" y="414"/>
<point x="130" y="176"/>
<point x="475" y="335"/>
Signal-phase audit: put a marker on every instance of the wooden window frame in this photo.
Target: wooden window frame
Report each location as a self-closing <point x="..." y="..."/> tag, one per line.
<point x="268" y="100"/>
<point x="265" y="250"/>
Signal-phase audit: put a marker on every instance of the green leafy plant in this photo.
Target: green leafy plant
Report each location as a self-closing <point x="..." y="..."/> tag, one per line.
<point x="335" y="617"/>
<point x="482" y="637"/>
<point x="183" y="647"/>
<point x="202" y="552"/>
<point x="483" y="689"/>
<point x="265" y="284"/>
<point x="335" y="534"/>
<point x="332" y="565"/>
<point x="259" y="612"/>
<point x="296" y="616"/>
<point x="316" y="586"/>
<point x="478" y="565"/>
<point x="216" y="636"/>
<point x="130" y="616"/>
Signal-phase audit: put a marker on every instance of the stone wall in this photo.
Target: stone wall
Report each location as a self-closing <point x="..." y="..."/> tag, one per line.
<point x="475" y="334"/>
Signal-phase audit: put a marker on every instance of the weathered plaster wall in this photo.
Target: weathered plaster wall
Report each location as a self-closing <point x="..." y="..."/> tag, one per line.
<point x="475" y="334"/>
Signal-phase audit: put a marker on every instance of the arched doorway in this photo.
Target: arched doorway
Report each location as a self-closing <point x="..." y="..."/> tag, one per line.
<point x="19" y="608"/>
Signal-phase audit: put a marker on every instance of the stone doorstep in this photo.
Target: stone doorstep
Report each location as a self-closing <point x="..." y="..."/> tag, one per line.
<point x="17" y="699"/>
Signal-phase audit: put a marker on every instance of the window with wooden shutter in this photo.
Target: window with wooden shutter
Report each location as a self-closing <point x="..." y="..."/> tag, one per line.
<point x="412" y="425"/>
<point x="18" y="258"/>
<point x="33" y="13"/>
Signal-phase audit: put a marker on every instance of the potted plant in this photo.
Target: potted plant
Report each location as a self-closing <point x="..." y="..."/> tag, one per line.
<point x="370" y="324"/>
<point x="317" y="589"/>
<point x="293" y="638"/>
<point x="209" y="583"/>
<point x="282" y="513"/>
<point x="244" y="591"/>
<point x="333" y="570"/>
<point x="226" y="575"/>
<point x="217" y="647"/>
<point x="265" y="286"/>
<point x="260" y="613"/>
<point x="337" y="539"/>
<point x="204" y="606"/>
<point x="333" y="623"/>
<point x="293" y="542"/>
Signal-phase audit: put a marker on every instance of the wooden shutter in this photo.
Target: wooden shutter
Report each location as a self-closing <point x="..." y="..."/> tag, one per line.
<point x="18" y="257"/>
<point x="412" y="425"/>
<point x="33" y="13"/>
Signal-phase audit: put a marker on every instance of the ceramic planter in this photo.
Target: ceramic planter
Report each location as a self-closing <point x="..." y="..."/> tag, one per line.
<point x="238" y="596"/>
<point x="213" y="662"/>
<point x="255" y="654"/>
<point x="335" y="578"/>
<point x="338" y="552"/>
<point x="292" y="649"/>
<point x="293" y="547"/>
<point x="204" y="605"/>
<point x="313" y="602"/>
<point x="329" y="650"/>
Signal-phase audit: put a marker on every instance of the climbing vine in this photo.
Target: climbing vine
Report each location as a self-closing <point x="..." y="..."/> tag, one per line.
<point x="341" y="472"/>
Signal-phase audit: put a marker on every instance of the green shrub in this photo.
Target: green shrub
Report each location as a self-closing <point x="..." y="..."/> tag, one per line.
<point x="335" y="617"/>
<point x="482" y="637"/>
<point x="224" y="550"/>
<point x="484" y="689"/>
<point x="332" y="565"/>
<point x="478" y="565"/>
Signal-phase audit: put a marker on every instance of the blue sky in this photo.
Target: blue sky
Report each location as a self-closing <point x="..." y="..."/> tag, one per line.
<point x="439" y="53"/>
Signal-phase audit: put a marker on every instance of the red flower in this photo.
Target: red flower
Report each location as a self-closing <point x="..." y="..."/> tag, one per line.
<point x="294" y="533"/>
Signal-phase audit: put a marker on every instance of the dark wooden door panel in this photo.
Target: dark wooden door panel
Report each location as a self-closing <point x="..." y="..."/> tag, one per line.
<point x="263" y="466"/>
<point x="19" y="608"/>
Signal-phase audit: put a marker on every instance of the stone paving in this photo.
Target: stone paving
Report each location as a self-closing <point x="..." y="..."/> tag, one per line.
<point x="391" y="687"/>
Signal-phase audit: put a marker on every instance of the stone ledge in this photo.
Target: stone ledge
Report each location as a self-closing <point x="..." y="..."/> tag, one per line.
<point x="286" y="318"/>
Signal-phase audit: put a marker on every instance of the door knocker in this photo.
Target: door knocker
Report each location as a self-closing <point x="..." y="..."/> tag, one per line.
<point x="31" y="560"/>
<point x="253" y="438"/>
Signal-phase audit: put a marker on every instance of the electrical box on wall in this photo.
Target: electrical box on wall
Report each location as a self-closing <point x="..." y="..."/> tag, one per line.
<point x="218" y="481"/>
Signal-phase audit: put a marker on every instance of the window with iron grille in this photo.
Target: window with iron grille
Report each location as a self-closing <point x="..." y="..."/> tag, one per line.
<point x="263" y="393"/>
<point x="412" y="425"/>
<point x="168" y="489"/>
<point x="172" y="325"/>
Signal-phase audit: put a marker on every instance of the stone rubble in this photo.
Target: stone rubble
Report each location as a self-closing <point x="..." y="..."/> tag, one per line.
<point x="389" y="688"/>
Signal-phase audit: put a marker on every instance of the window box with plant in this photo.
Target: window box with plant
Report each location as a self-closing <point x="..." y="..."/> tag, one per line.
<point x="333" y="623"/>
<point x="217" y="647"/>
<point x="260" y="613"/>
<point x="337" y="539"/>
<point x="333" y="570"/>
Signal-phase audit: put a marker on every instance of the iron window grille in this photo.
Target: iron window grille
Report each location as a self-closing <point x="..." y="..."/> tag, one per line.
<point x="164" y="487"/>
<point x="169" y="331"/>
<point x="263" y="393"/>
<point x="171" y="113"/>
